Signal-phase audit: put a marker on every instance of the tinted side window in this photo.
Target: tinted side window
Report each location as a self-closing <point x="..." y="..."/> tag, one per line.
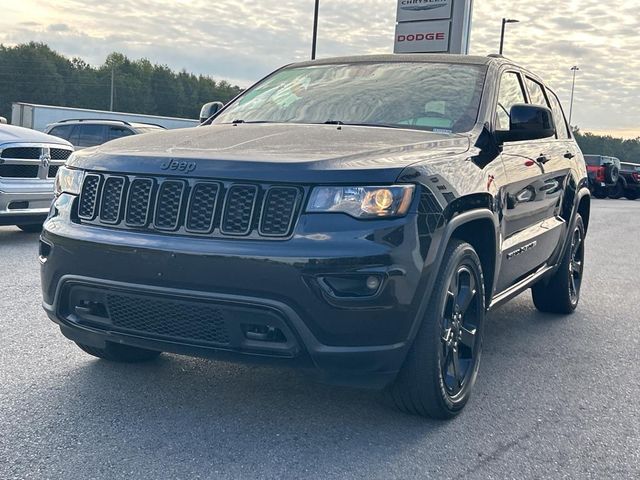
<point x="62" y="131"/>
<point x="509" y="94"/>
<point x="118" y="132"/>
<point x="558" y="116"/>
<point x="536" y="92"/>
<point x="91" y="135"/>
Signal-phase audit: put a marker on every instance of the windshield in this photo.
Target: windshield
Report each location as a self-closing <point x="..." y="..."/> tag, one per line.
<point x="425" y="96"/>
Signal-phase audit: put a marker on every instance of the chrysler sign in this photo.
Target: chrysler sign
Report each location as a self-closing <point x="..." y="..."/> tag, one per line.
<point x="413" y="10"/>
<point x="433" y="26"/>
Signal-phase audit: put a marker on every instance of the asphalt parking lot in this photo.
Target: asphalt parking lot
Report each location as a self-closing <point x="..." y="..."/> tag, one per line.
<point x="557" y="397"/>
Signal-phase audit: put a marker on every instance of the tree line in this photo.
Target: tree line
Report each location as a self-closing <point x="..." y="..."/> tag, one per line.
<point x="34" y="73"/>
<point x="627" y="150"/>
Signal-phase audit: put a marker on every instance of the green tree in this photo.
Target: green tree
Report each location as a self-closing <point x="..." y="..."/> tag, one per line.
<point x="34" y="73"/>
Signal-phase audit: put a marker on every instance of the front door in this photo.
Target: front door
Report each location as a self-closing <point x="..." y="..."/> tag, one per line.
<point x="536" y="174"/>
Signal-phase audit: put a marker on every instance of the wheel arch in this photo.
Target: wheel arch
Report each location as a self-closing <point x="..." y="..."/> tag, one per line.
<point x="584" y="207"/>
<point x="480" y="233"/>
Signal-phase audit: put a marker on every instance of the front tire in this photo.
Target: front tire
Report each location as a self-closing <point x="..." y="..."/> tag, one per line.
<point x="616" y="192"/>
<point x="632" y="194"/>
<point x="115" y="352"/>
<point x="441" y="368"/>
<point x="599" y="193"/>
<point x="561" y="292"/>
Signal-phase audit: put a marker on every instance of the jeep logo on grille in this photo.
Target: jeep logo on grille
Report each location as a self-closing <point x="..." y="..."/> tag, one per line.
<point x="179" y="166"/>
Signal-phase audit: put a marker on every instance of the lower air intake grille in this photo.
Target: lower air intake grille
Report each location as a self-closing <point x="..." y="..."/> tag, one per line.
<point x="173" y="319"/>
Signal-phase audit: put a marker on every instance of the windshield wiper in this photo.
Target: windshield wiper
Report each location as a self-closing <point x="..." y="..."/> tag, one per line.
<point x="237" y="122"/>
<point x="382" y="125"/>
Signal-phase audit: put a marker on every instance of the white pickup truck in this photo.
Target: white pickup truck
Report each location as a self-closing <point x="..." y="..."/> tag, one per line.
<point x="29" y="161"/>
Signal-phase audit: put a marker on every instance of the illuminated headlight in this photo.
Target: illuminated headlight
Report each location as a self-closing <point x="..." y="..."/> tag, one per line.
<point x="362" y="202"/>
<point x="69" y="180"/>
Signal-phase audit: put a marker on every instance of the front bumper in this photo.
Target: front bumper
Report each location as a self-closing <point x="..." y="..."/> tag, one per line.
<point x="359" y="341"/>
<point x="24" y="201"/>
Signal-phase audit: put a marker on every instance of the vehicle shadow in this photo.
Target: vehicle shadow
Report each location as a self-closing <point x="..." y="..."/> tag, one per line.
<point x="229" y="415"/>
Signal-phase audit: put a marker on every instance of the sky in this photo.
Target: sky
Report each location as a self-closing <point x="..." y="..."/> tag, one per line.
<point x="243" y="40"/>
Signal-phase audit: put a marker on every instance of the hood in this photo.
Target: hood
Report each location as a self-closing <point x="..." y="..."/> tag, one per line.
<point x="273" y="152"/>
<point x="13" y="134"/>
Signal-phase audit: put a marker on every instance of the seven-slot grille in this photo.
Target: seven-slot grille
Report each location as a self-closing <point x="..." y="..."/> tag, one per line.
<point x="189" y="207"/>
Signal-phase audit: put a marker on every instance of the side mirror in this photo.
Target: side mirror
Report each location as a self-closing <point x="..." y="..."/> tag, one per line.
<point x="528" y="122"/>
<point x="3" y="120"/>
<point x="209" y="109"/>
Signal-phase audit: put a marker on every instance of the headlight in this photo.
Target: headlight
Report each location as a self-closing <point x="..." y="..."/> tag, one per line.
<point x="362" y="202"/>
<point x="69" y="180"/>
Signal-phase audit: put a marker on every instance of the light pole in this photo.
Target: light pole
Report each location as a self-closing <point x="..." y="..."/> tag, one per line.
<point x="575" y="68"/>
<point x="504" y="23"/>
<point x="315" y="31"/>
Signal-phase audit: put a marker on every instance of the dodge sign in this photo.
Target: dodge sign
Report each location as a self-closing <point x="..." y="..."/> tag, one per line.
<point x="433" y="26"/>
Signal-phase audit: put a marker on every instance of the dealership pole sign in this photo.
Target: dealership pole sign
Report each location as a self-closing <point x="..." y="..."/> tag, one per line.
<point x="433" y="26"/>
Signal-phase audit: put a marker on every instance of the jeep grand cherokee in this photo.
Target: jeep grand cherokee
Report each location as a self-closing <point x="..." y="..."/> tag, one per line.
<point x="357" y="216"/>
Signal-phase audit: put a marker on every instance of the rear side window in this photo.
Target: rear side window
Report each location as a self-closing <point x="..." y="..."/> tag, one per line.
<point x="62" y="131"/>
<point x="118" y="132"/>
<point x="536" y="92"/>
<point x="510" y="93"/>
<point x="558" y="116"/>
<point x="90" y="135"/>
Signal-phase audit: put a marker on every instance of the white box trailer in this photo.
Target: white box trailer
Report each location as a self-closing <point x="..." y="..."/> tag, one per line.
<point x="37" y="117"/>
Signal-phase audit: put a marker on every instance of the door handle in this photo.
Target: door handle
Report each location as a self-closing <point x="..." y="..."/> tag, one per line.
<point x="569" y="155"/>
<point x="542" y="159"/>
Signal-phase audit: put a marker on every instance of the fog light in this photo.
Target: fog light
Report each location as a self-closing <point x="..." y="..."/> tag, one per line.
<point x="373" y="283"/>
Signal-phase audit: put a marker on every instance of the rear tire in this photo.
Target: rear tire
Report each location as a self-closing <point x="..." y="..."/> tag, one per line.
<point x="561" y="292"/>
<point x="115" y="352"/>
<point x="31" y="227"/>
<point x="442" y="365"/>
<point x="632" y="194"/>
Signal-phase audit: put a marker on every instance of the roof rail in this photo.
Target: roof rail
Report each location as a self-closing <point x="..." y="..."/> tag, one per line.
<point x="152" y="124"/>
<point x="93" y="120"/>
<point x="495" y="55"/>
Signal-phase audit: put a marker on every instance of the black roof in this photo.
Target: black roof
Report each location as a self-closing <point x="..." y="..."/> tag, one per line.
<point x="410" y="57"/>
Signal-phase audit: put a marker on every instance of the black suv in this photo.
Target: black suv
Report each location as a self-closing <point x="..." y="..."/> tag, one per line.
<point x="356" y="216"/>
<point x="86" y="132"/>
<point x="628" y="184"/>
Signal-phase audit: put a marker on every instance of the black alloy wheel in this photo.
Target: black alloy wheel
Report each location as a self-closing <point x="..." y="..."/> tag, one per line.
<point x="441" y="367"/>
<point x="460" y="339"/>
<point x="561" y="292"/>
<point x="576" y="265"/>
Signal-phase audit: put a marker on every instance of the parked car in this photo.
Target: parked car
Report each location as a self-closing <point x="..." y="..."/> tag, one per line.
<point x="355" y="216"/>
<point x="29" y="161"/>
<point x="628" y="184"/>
<point x="603" y="173"/>
<point x="83" y="133"/>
